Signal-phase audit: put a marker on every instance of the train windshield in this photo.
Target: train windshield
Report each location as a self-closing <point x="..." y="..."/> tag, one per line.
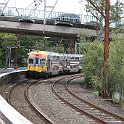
<point x="36" y="60"/>
<point x="42" y="62"/>
<point x="31" y="61"/>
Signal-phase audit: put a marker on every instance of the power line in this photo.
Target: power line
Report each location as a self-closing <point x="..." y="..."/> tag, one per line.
<point x="53" y="8"/>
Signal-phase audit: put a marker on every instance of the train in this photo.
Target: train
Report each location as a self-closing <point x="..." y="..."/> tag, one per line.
<point x="42" y="64"/>
<point x="68" y="19"/>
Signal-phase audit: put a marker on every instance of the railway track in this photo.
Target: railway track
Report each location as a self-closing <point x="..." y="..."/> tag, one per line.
<point x="21" y="102"/>
<point x="97" y="114"/>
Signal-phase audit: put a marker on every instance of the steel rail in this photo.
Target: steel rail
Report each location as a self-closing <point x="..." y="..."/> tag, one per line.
<point x="11" y="88"/>
<point x="71" y="105"/>
<point x="92" y="105"/>
<point x="27" y="98"/>
<point x="32" y="105"/>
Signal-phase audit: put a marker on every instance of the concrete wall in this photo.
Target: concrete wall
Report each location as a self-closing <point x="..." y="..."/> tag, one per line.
<point x="10" y="78"/>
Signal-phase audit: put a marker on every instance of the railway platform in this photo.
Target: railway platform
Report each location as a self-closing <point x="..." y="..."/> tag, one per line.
<point x="8" y="115"/>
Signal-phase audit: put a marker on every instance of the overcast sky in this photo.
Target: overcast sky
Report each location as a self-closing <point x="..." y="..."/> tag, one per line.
<point x="69" y="6"/>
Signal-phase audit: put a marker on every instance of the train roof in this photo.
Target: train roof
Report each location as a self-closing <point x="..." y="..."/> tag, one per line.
<point x="35" y="52"/>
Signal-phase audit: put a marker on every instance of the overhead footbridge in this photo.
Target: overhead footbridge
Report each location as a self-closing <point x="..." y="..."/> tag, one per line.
<point x="12" y="25"/>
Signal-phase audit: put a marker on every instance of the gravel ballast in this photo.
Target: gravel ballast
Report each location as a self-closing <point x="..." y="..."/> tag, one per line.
<point x="54" y="109"/>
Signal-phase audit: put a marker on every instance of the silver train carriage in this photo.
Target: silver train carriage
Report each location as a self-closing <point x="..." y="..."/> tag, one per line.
<point x="44" y="64"/>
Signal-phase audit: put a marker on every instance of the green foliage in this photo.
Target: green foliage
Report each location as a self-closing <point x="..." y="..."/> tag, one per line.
<point x="8" y="39"/>
<point x="116" y="67"/>
<point x="58" y="48"/>
<point x="24" y="44"/>
<point x="93" y="64"/>
<point x="116" y="11"/>
<point x="100" y="3"/>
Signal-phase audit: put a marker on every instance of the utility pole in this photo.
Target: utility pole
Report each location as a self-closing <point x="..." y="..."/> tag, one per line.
<point x="106" y="49"/>
<point x="106" y="45"/>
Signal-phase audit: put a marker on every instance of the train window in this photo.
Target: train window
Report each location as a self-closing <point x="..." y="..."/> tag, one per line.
<point x="77" y="58"/>
<point x="76" y="20"/>
<point x="31" y="61"/>
<point x="54" y="57"/>
<point x="71" y="20"/>
<point x="58" y="57"/>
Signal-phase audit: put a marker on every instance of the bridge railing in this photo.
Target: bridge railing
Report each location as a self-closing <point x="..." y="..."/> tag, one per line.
<point x="39" y="14"/>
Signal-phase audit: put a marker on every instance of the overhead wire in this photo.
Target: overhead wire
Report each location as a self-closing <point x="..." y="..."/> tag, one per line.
<point x="51" y="10"/>
<point x="24" y="8"/>
<point x="35" y="7"/>
<point x="5" y="5"/>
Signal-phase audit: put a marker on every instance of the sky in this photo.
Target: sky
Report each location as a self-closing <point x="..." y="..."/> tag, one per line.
<point x="69" y="6"/>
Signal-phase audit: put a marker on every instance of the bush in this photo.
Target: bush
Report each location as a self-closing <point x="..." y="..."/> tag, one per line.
<point x="116" y="67"/>
<point x="93" y="67"/>
<point x="93" y="64"/>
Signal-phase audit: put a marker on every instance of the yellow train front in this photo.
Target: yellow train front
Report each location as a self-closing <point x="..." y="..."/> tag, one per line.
<point x="37" y="64"/>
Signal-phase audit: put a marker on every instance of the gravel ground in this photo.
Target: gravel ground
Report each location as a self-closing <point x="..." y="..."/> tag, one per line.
<point x="54" y="109"/>
<point x="58" y="112"/>
<point x="81" y="91"/>
<point x="19" y="102"/>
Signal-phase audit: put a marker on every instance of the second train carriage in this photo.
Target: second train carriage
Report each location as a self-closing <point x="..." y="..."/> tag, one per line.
<point x="43" y="63"/>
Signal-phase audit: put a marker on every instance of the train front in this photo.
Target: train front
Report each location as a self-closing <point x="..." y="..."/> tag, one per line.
<point x="36" y="64"/>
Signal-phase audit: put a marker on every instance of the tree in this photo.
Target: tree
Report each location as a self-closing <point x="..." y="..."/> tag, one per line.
<point x="7" y="43"/>
<point x="106" y="43"/>
<point x="116" y="12"/>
